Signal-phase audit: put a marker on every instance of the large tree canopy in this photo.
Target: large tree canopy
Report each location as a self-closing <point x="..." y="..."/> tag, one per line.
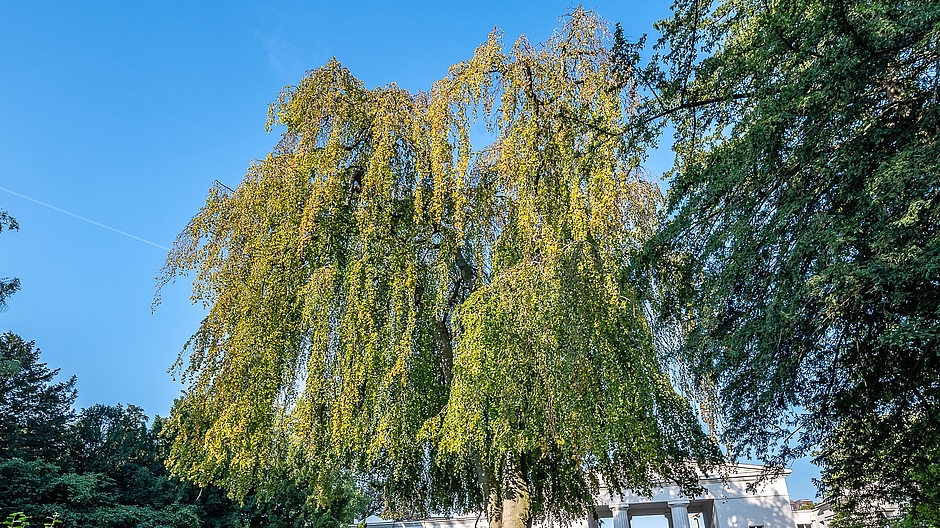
<point x="804" y="230"/>
<point x="452" y="323"/>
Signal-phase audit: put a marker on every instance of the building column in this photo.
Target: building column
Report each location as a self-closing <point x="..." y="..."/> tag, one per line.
<point x="680" y="513"/>
<point x="621" y="515"/>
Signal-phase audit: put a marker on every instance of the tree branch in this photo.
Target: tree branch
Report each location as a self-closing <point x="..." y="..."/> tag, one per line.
<point x="564" y="115"/>
<point x="696" y="104"/>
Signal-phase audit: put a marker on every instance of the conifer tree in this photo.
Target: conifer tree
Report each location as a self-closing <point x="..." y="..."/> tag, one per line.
<point x="802" y="236"/>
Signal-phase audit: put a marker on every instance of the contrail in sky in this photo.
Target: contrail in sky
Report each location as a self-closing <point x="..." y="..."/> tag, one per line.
<point x="90" y="221"/>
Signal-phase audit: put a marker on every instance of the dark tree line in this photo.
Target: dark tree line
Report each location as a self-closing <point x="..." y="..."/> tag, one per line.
<point x="104" y="465"/>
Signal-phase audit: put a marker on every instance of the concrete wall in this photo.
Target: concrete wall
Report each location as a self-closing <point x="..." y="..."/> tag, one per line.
<point x="732" y="505"/>
<point x="768" y="506"/>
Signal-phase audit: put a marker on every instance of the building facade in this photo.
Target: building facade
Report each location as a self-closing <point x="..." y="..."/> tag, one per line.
<point x="727" y="502"/>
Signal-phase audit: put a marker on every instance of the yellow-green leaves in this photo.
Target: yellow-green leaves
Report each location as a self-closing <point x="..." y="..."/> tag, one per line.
<point x="416" y="309"/>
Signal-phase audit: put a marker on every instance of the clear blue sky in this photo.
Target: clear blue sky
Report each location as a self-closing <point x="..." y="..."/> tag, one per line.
<point x="123" y="114"/>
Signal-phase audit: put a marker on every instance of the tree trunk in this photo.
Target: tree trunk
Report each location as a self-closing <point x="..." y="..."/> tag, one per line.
<point x="494" y="509"/>
<point x="516" y="504"/>
<point x="489" y="482"/>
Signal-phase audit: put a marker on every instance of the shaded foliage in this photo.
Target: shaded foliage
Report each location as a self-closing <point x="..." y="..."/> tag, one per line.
<point x="802" y="238"/>
<point x="104" y="467"/>
<point x="34" y="410"/>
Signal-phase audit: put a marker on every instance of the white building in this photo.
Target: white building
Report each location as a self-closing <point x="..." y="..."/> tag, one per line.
<point x="725" y="503"/>
<point x="822" y="514"/>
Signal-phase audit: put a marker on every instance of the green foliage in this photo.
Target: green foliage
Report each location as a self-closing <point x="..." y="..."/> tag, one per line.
<point x="115" y="443"/>
<point x="118" y="481"/>
<point x="802" y="241"/>
<point x="15" y="519"/>
<point x="8" y="286"/>
<point x="42" y="490"/>
<point x="451" y="324"/>
<point x="293" y="502"/>
<point x="19" y="519"/>
<point x="34" y="410"/>
<point x="105" y="467"/>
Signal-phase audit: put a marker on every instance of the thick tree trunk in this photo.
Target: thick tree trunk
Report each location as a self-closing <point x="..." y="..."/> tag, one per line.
<point x="516" y="503"/>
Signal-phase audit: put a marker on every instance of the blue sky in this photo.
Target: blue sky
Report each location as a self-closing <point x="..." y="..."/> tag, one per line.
<point x="123" y="114"/>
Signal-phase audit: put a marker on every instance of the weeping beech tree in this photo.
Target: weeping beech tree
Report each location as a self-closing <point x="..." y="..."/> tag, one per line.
<point x="454" y="326"/>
